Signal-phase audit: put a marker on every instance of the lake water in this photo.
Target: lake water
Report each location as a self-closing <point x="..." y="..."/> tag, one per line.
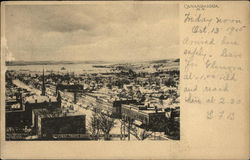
<point x="76" y="68"/>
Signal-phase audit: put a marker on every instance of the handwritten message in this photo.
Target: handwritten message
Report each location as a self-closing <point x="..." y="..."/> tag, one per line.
<point x="212" y="59"/>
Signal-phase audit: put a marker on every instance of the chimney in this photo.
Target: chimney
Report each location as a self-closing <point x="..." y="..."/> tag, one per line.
<point x="21" y="100"/>
<point x="17" y="97"/>
<point x="75" y="97"/>
<point x="43" y="85"/>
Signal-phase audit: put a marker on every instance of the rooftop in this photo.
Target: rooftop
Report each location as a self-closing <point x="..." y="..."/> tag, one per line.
<point x="46" y="113"/>
<point x="141" y="108"/>
<point x="40" y="99"/>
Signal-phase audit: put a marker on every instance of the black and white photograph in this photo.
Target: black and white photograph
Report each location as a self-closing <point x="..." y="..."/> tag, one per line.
<point x="92" y="72"/>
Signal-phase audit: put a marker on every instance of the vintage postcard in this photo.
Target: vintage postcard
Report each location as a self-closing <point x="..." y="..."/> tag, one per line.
<point x="125" y="80"/>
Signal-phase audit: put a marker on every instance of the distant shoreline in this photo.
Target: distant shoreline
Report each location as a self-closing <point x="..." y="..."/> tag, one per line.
<point x="27" y="63"/>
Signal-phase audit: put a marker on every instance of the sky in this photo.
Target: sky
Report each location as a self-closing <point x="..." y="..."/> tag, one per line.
<point x="124" y="31"/>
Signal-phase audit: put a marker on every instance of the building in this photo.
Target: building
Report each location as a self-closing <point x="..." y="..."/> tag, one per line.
<point x="59" y="124"/>
<point x="117" y="105"/>
<point x="15" y="118"/>
<point x="70" y="87"/>
<point x="15" y="112"/>
<point x="75" y="88"/>
<point x="39" y="102"/>
<point x="143" y="116"/>
<point x="19" y="111"/>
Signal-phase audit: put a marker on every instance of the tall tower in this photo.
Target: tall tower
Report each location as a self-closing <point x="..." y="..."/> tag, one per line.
<point x="43" y="86"/>
<point x="59" y="99"/>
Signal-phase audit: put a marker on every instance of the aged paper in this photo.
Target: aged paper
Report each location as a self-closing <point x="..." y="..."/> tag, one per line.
<point x="125" y="80"/>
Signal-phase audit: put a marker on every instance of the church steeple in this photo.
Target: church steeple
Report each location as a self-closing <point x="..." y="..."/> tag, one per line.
<point x="43" y="85"/>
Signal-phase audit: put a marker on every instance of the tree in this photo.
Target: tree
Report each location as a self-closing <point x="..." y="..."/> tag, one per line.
<point x="140" y="133"/>
<point x="173" y="128"/>
<point x="106" y="123"/>
<point x="94" y="128"/>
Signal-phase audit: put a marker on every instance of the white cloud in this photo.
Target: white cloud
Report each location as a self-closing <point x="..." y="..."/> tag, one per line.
<point x="93" y="32"/>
